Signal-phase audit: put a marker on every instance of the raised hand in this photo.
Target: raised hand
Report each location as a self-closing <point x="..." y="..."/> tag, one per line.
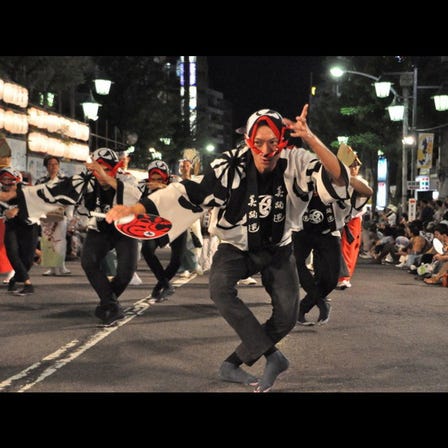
<point x="98" y="170"/>
<point x="299" y="128"/>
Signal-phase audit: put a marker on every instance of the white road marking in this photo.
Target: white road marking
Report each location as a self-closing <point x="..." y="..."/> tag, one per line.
<point x="67" y="353"/>
<point x="32" y="368"/>
<point x="182" y="280"/>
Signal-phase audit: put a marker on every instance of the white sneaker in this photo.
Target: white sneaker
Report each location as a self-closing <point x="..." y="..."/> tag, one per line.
<point x="366" y="256"/>
<point x="199" y="270"/>
<point x="185" y="274"/>
<point x="343" y="284"/>
<point x="247" y="281"/>
<point x="136" y="280"/>
<point x="50" y="271"/>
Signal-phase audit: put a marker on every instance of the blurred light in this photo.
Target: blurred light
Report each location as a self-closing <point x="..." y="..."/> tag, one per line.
<point x="337" y="72"/>
<point x="441" y="102"/>
<point x="210" y="148"/>
<point x="90" y="108"/>
<point x="382" y="89"/>
<point x="342" y="139"/>
<point x="396" y="112"/>
<point x="165" y="140"/>
<point x="13" y="94"/>
<point x="50" y="99"/>
<point x="102" y="86"/>
<point x="409" y="140"/>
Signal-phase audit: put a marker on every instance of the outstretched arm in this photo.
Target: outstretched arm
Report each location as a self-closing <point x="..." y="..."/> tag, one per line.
<point x="360" y="187"/>
<point x="329" y="160"/>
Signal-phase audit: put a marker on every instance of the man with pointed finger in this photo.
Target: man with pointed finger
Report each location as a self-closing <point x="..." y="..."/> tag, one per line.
<point x="259" y="190"/>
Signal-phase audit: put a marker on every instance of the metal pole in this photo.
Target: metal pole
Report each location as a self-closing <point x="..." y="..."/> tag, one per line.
<point x="404" y="168"/>
<point x="414" y="123"/>
<point x="107" y="131"/>
<point x="310" y="100"/>
<point x="96" y="131"/>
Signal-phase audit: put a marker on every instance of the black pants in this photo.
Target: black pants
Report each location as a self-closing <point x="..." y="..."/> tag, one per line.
<point x="95" y="248"/>
<point x="20" y="244"/>
<point x="162" y="274"/>
<point x="279" y="278"/>
<point x="326" y="262"/>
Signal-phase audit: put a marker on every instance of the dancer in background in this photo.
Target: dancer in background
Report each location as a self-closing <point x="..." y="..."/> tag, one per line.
<point x="5" y="162"/>
<point x="98" y="190"/>
<point x="191" y="253"/>
<point x="352" y="230"/>
<point x="21" y="235"/>
<point x="53" y="241"/>
<point x="158" y="179"/>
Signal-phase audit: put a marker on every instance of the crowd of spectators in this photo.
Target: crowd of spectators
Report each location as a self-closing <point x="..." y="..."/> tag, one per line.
<point x="389" y="237"/>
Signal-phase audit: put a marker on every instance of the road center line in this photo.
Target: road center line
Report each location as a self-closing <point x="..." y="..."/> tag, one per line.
<point x="51" y="363"/>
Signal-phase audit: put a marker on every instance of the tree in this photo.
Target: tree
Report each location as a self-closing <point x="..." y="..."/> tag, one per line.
<point x="350" y="107"/>
<point x="41" y="74"/>
<point x="144" y="99"/>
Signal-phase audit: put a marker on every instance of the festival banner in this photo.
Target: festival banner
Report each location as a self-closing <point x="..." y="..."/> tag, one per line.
<point x="424" y="150"/>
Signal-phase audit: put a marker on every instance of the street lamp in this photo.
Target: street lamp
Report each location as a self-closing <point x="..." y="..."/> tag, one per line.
<point x="441" y="102"/>
<point x="90" y="108"/>
<point x="102" y="86"/>
<point x="382" y="88"/>
<point x="397" y="112"/>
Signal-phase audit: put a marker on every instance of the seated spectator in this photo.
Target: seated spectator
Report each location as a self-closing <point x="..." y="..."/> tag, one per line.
<point x="418" y="245"/>
<point x="382" y="244"/>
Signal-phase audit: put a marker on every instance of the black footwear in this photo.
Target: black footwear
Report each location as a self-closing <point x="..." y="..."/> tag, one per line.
<point x="156" y="295"/>
<point x="27" y="289"/>
<point x="160" y="293"/>
<point x="101" y="311"/>
<point x="12" y="286"/>
<point x="157" y="298"/>
<point x="324" y="311"/>
<point x="114" y="313"/>
<point x="167" y="290"/>
<point x="109" y="313"/>
<point x="302" y="320"/>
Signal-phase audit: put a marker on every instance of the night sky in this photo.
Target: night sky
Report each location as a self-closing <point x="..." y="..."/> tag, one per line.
<point x="251" y="83"/>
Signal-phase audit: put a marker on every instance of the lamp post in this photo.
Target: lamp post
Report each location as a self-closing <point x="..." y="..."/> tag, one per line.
<point x="90" y="108"/>
<point x="396" y="111"/>
<point x="102" y="86"/>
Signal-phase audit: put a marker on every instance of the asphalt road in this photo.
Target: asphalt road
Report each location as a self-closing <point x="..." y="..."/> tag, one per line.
<point x="386" y="334"/>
